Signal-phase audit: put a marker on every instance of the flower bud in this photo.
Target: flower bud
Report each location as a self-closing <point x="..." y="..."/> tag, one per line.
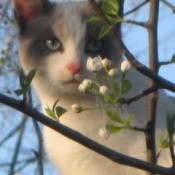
<point x="104" y="133"/>
<point x="106" y="63"/>
<point x="125" y="66"/>
<point x="112" y="72"/>
<point x="87" y="83"/>
<point x="94" y="64"/>
<point x="104" y="90"/>
<point x="76" y="108"/>
<point x="82" y="88"/>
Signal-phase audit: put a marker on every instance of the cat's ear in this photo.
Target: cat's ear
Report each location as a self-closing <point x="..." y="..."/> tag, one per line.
<point x="27" y="10"/>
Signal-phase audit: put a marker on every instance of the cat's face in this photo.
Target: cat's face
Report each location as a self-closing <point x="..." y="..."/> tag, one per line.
<point x="57" y="42"/>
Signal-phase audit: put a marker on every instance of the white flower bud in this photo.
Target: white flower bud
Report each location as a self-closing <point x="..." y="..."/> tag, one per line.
<point x="87" y="83"/>
<point x="94" y="64"/>
<point x="82" y="88"/>
<point x="76" y="108"/>
<point x="104" y="90"/>
<point x="125" y="66"/>
<point x="106" y="63"/>
<point x="112" y="72"/>
<point x="104" y="133"/>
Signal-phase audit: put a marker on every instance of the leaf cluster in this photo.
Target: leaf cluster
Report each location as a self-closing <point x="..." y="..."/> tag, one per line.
<point x="25" y="82"/>
<point x="110" y="8"/>
<point x="56" y="111"/>
<point x="117" y="123"/>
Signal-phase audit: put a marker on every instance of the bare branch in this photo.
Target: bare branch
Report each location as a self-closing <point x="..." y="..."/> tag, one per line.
<point x="169" y="5"/>
<point x="76" y="136"/>
<point x="136" y="8"/>
<point x="140" y="95"/>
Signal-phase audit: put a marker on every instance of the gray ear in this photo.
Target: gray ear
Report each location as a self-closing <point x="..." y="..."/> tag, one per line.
<point x="27" y="10"/>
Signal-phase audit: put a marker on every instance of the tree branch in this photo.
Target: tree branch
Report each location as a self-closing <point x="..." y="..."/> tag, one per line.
<point x="76" y="136"/>
<point x="142" y="94"/>
<point x="154" y="66"/>
<point x="136" y="8"/>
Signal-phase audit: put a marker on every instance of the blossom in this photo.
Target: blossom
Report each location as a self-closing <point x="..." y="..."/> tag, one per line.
<point x="82" y="88"/>
<point x="87" y="83"/>
<point x="112" y="72"/>
<point x="104" y="90"/>
<point x="94" y="64"/>
<point x="104" y="133"/>
<point x="106" y="63"/>
<point x="76" y="108"/>
<point x="125" y="66"/>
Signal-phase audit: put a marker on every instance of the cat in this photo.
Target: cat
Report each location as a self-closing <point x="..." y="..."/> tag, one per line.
<point x="56" y="39"/>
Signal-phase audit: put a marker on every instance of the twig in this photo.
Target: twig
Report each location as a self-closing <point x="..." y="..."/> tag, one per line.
<point x="39" y="155"/>
<point x="138" y="96"/>
<point x="140" y="24"/>
<point x="169" y="5"/>
<point x="152" y="98"/>
<point x="76" y="136"/>
<point x="164" y="63"/>
<point x="17" y="148"/>
<point x="136" y="8"/>
<point x="25" y="161"/>
<point x="10" y="134"/>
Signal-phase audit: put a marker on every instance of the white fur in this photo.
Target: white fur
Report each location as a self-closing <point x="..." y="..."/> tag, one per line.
<point x="52" y="82"/>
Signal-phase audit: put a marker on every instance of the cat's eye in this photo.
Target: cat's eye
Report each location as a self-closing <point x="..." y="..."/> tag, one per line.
<point x="93" y="46"/>
<point x="53" y="45"/>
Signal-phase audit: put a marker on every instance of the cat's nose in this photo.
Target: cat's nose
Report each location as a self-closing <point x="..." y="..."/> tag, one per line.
<point x="74" y="68"/>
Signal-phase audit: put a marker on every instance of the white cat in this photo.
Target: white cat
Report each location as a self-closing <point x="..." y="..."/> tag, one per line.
<point x="57" y="40"/>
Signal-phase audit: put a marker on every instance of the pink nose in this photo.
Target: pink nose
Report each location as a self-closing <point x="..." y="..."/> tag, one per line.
<point x="74" y="68"/>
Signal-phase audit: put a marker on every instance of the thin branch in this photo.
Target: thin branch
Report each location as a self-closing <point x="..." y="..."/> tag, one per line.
<point x="10" y="134"/>
<point x="140" y="67"/>
<point x="78" y="137"/>
<point x="39" y="155"/>
<point x="17" y="148"/>
<point x="29" y="160"/>
<point x="152" y="25"/>
<point x="140" y="24"/>
<point x="164" y="63"/>
<point x="136" y="8"/>
<point x="169" y="5"/>
<point x="142" y="94"/>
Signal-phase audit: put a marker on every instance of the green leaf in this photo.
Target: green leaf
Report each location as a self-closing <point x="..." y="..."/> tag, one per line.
<point x="165" y="142"/>
<point x="96" y="20"/>
<point x="60" y="111"/>
<point x="22" y="79"/>
<point x="103" y="32"/>
<point x="113" y="20"/>
<point x="110" y="99"/>
<point x="51" y="113"/>
<point x="54" y="105"/>
<point x="30" y="77"/>
<point x="128" y="121"/>
<point x="125" y="86"/>
<point x="114" y="116"/>
<point x="110" y="7"/>
<point x="113" y="128"/>
<point x="171" y="123"/>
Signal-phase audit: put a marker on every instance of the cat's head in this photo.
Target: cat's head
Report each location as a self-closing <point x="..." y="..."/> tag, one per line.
<point x="56" y="39"/>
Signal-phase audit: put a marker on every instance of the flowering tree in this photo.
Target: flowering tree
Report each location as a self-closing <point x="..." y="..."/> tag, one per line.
<point x="103" y="91"/>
